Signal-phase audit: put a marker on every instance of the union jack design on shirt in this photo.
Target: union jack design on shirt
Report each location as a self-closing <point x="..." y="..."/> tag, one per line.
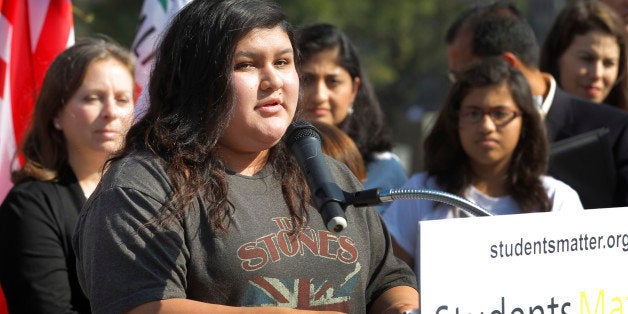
<point x="301" y="293"/>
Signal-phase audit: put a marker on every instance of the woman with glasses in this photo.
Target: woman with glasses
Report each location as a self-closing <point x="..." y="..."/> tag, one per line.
<point x="488" y="145"/>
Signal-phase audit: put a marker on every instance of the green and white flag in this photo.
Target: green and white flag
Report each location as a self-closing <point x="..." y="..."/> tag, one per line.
<point x="154" y="20"/>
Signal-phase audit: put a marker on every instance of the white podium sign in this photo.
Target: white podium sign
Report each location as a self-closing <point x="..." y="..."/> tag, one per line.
<point x="541" y="263"/>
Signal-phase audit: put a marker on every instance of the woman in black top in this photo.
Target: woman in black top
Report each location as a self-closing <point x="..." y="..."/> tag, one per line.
<point x="82" y="113"/>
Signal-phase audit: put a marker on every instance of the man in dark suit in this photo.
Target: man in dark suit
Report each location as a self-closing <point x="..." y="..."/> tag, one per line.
<point x="499" y="29"/>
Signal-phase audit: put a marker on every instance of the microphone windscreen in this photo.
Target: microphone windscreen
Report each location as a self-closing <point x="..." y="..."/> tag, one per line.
<point x="300" y="129"/>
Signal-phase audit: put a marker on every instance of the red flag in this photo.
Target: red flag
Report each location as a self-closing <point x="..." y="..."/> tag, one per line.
<point x="32" y="33"/>
<point x="3" y="303"/>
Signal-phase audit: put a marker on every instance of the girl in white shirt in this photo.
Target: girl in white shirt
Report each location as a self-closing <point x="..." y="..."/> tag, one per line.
<point x="488" y="145"/>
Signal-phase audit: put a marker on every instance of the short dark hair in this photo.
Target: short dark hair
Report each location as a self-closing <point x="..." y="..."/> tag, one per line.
<point x="497" y="27"/>
<point x="446" y="159"/>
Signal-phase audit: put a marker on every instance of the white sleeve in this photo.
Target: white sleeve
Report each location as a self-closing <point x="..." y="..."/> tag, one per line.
<point x="563" y="197"/>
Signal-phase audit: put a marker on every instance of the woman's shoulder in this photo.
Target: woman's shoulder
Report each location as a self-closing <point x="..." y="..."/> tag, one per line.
<point x="561" y="194"/>
<point x="386" y="157"/>
<point x="37" y="188"/>
<point x="421" y="180"/>
<point x="141" y="161"/>
<point x="385" y="171"/>
<point x="385" y="161"/>
<point x="342" y="175"/>
<point x="46" y="199"/>
<point x="138" y="170"/>
<point x="553" y="185"/>
<point x="30" y="185"/>
<point x="137" y="178"/>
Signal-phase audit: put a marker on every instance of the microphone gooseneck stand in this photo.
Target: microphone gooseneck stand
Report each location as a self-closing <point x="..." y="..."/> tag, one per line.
<point x="373" y="197"/>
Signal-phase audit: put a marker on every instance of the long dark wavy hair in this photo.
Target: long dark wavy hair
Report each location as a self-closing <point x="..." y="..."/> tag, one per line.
<point x="447" y="161"/>
<point x="366" y="125"/>
<point x="44" y="147"/>
<point x="191" y="102"/>
<point x="579" y="17"/>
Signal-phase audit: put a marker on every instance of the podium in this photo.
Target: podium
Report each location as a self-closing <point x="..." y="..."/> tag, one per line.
<point x="538" y="263"/>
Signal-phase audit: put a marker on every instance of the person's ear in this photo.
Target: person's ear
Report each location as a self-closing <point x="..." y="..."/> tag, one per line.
<point x="356" y="87"/>
<point x="511" y="58"/>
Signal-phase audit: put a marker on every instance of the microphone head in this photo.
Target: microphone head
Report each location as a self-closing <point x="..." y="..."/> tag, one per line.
<point x="336" y="224"/>
<point x="300" y="129"/>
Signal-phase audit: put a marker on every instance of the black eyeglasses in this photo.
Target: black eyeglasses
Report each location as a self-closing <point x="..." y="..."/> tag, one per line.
<point x="499" y="116"/>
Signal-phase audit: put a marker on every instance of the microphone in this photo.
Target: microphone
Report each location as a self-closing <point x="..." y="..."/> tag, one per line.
<point x="304" y="140"/>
